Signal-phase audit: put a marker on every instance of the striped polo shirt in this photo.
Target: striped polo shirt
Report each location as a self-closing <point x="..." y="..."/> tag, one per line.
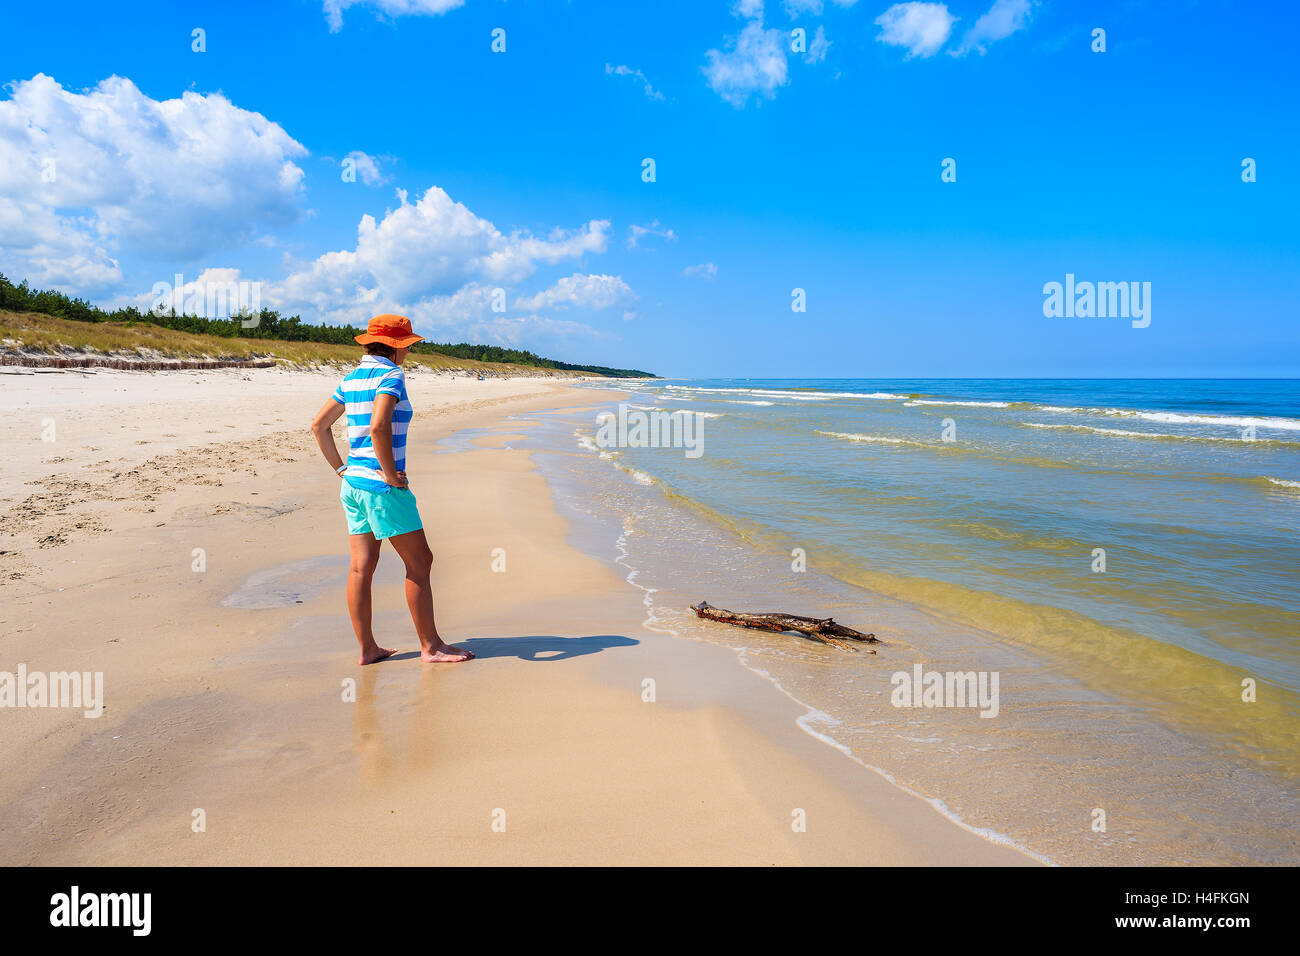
<point x="374" y="376"/>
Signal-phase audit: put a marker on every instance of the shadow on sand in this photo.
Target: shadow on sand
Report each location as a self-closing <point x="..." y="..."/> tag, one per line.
<point x="543" y="648"/>
<point x="535" y="648"/>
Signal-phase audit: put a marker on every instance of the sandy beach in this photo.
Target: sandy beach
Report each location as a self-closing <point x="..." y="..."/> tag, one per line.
<point x="179" y="533"/>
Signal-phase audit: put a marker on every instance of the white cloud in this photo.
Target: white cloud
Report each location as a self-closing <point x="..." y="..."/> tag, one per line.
<point x="367" y="168"/>
<point x="439" y="263"/>
<point x="581" y="291"/>
<point x="392" y="8"/>
<point x="817" y="49"/>
<point x="650" y="92"/>
<point x="86" y="176"/>
<point x="705" y="270"/>
<point x="472" y="301"/>
<point x="636" y="233"/>
<point x="1004" y="18"/>
<point x="214" y="293"/>
<point x="921" y="27"/>
<point x="749" y="9"/>
<point x="755" y="63"/>
<point x="519" y="254"/>
<point x="54" y="251"/>
<point x="463" y="315"/>
<point x="432" y="247"/>
<point x="525" y="331"/>
<point x="794" y="8"/>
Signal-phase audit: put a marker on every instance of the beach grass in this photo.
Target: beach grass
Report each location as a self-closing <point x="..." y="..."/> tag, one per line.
<point x="34" y="333"/>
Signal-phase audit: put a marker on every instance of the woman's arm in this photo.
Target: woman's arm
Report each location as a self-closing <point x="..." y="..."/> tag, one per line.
<point x="322" y="427"/>
<point x="381" y="438"/>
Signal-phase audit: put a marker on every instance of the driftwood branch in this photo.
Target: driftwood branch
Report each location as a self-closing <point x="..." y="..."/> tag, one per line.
<point x="823" y="629"/>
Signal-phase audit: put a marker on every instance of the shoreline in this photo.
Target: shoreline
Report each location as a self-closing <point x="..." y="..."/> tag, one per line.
<point x="811" y="715"/>
<point x="235" y="710"/>
<point x="1057" y="752"/>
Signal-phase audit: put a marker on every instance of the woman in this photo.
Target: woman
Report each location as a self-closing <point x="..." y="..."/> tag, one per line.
<point x="376" y="500"/>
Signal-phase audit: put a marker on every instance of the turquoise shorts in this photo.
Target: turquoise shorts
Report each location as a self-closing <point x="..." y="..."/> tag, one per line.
<point x="383" y="514"/>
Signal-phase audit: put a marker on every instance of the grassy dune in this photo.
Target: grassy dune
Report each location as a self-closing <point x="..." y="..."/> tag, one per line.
<point x="33" y="332"/>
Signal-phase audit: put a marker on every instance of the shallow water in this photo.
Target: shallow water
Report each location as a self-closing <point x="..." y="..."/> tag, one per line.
<point x="1120" y="689"/>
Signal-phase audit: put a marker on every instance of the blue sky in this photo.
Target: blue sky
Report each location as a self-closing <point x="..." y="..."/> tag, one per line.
<point x="775" y="170"/>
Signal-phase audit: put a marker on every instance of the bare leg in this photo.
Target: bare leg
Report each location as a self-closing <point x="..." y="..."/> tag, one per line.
<point x="413" y="548"/>
<point x="365" y="556"/>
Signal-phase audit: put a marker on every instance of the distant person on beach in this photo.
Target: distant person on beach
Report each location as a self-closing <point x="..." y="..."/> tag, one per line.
<point x="376" y="500"/>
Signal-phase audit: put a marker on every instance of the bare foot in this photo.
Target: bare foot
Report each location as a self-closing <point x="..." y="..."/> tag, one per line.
<point x="446" y="654"/>
<point x="379" y="654"/>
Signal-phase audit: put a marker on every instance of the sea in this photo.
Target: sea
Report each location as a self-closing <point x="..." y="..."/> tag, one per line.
<point x="1123" y="556"/>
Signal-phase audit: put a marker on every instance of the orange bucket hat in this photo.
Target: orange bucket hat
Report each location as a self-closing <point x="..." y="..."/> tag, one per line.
<point x="394" y="330"/>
